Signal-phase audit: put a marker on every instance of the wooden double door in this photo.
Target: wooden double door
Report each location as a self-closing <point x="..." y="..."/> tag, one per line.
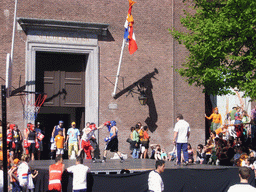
<point x="62" y="77"/>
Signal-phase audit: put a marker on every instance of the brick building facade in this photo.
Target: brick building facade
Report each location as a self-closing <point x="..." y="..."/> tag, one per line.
<point x="154" y="64"/>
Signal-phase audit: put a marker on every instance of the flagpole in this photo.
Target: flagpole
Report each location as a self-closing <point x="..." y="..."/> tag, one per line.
<point x="119" y="67"/>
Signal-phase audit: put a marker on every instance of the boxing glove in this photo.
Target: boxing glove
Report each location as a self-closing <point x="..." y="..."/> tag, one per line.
<point x="37" y="145"/>
<point x="107" y="139"/>
<point x="107" y="123"/>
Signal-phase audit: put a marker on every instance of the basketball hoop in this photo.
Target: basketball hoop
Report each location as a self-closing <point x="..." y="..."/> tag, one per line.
<point x="32" y="109"/>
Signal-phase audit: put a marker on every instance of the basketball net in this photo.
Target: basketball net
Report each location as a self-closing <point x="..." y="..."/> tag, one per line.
<point x="30" y="108"/>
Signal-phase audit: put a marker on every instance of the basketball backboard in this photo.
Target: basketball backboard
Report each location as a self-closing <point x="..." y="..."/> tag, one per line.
<point x="8" y="82"/>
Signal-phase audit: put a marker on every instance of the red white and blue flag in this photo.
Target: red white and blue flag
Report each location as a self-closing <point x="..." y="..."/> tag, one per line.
<point x="129" y="35"/>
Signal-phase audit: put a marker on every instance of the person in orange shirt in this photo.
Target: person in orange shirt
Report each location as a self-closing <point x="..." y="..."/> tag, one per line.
<point x="145" y="142"/>
<point x="14" y="176"/>
<point x="216" y="119"/>
<point x="59" y="142"/>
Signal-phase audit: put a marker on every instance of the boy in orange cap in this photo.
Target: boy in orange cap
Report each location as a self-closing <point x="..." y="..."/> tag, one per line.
<point x="14" y="176"/>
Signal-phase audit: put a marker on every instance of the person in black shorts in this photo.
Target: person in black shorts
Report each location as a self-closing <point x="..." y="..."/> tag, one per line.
<point x="145" y="142"/>
<point x="32" y="139"/>
<point x="111" y="141"/>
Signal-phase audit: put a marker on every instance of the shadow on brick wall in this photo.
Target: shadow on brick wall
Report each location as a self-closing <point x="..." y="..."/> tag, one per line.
<point x="147" y="82"/>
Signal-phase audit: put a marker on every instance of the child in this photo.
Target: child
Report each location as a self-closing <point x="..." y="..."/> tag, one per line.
<point x="59" y="142"/>
<point x="163" y="154"/>
<point x="14" y="176"/>
<point x="208" y="150"/>
<point x="158" y="152"/>
<point x="173" y="154"/>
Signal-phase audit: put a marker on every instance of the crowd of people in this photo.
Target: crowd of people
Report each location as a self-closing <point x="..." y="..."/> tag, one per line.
<point x="22" y="148"/>
<point x="29" y="143"/>
<point x="231" y="143"/>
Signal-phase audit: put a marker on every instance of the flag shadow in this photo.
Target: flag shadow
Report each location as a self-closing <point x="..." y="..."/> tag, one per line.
<point x="147" y="82"/>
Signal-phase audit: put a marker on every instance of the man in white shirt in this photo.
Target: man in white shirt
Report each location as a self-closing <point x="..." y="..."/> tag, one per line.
<point x="155" y="182"/>
<point x="180" y="139"/>
<point x="244" y="174"/>
<point x="79" y="175"/>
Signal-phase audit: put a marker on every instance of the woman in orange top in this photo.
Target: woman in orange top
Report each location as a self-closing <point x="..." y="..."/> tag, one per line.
<point x="145" y="142"/>
<point x="216" y="119"/>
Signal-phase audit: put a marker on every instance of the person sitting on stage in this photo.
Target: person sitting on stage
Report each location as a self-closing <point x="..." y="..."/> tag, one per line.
<point x="173" y="154"/>
<point x="55" y="174"/>
<point x="88" y="133"/>
<point x="79" y="175"/>
<point x="73" y="136"/>
<point x="244" y="175"/>
<point x="112" y="140"/>
<point x="238" y="152"/>
<point x="158" y="152"/>
<point x="54" y="134"/>
<point x="163" y="154"/>
<point x="155" y="182"/>
<point x="222" y="129"/>
<point x="59" y="142"/>
<point x="200" y="155"/>
<point x="190" y="154"/>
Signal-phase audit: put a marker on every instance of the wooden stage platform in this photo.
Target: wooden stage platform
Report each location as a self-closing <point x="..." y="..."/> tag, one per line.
<point x="109" y="177"/>
<point x="114" y="165"/>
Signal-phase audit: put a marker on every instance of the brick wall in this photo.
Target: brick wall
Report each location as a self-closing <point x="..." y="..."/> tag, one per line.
<point x="168" y="93"/>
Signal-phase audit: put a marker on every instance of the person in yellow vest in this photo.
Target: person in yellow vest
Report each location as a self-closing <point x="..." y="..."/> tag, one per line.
<point x="216" y="119"/>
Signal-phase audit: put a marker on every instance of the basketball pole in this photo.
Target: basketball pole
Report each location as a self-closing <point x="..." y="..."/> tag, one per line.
<point x="4" y="108"/>
<point x="14" y="28"/>
<point x="4" y="123"/>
